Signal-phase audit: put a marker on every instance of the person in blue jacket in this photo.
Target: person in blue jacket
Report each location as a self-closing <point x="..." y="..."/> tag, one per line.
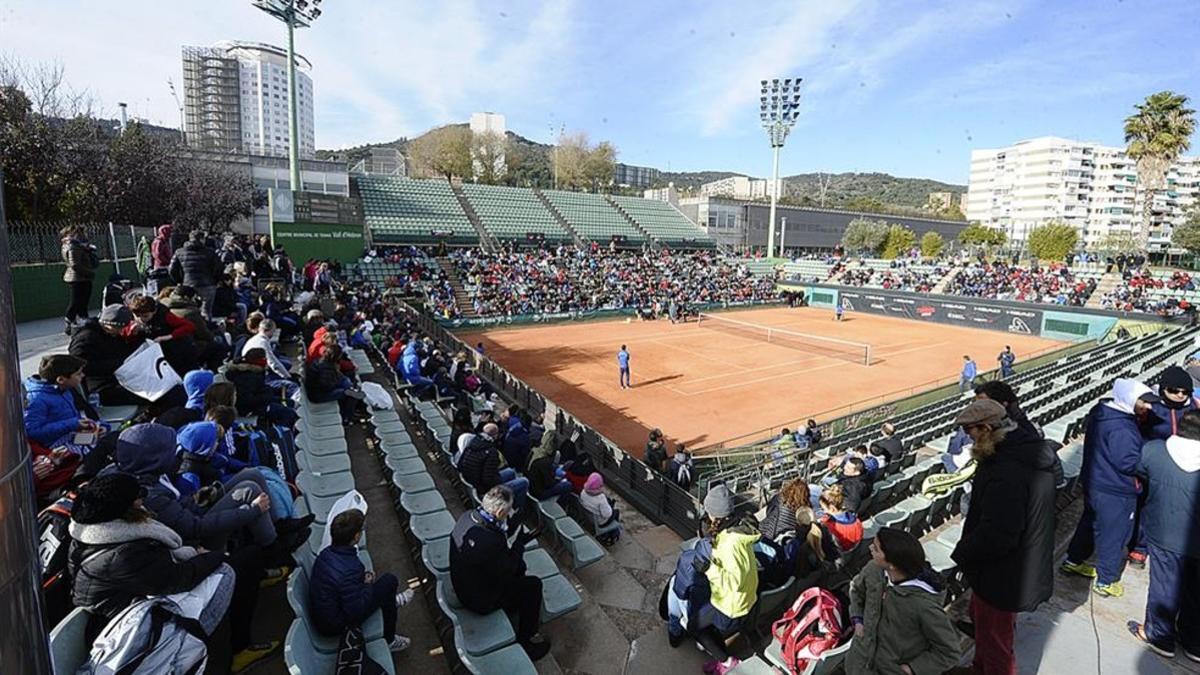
<point x="51" y="416"/>
<point x="1006" y="359"/>
<point x="517" y="442"/>
<point x="1112" y="447"/>
<point x="343" y="594"/>
<point x="1176" y="398"/>
<point x="410" y="368"/>
<point x="966" y="379"/>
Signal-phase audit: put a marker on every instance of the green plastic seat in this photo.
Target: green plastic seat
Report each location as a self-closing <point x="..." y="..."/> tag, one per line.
<point x="302" y="658"/>
<point x="558" y="597"/>
<point x="336" y="446"/>
<point x="69" y="648"/>
<point x="323" y="464"/>
<point x="476" y="634"/>
<point x="394" y="437"/>
<point x="538" y="563"/>
<point x="298" y="595"/>
<point x="551" y="509"/>
<point x="386" y="427"/>
<point x="583" y="549"/>
<point x="510" y="659"/>
<point x="436" y="556"/>
<point x="422" y="503"/>
<point x="405" y="466"/>
<point x="325" y="485"/>
<point x="414" y="482"/>
<point x="400" y="450"/>
<point x="430" y="526"/>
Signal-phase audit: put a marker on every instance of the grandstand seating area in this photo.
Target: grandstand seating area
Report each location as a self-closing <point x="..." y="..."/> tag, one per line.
<point x="592" y="216"/>
<point x="662" y="222"/>
<point x="808" y="270"/>
<point x="411" y="211"/>
<point x="511" y="213"/>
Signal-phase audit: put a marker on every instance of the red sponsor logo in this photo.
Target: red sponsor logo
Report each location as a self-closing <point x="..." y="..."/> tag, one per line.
<point x="925" y="311"/>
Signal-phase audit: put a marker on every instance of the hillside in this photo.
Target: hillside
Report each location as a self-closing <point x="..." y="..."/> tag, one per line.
<point x="693" y="179"/>
<point x="842" y="187"/>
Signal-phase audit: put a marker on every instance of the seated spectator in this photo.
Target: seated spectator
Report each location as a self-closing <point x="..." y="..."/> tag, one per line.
<point x="278" y="374"/>
<point x="810" y="550"/>
<point x="196" y="385"/>
<point x="810" y="433"/>
<point x="254" y="395"/>
<point x="410" y="369"/>
<point x="854" y="483"/>
<point x="846" y="528"/>
<point x="204" y="455"/>
<point x="226" y="302"/>
<point x="781" y="509"/>
<point x="545" y="477"/>
<point x="101" y="343"/>
<point x="517" y="444"/>
<point x="53" y="470"/>
<point x="148" y="452"/>
<point x="325" y="383"/>
<point x="152" y="321"/>
<point x="183" y="302"/>
<point x="577" y="472"/>
<point x="51" y="416"/>
<point x="480" y="466"/>
<point x="119" y="553"/>
<point x="343" y="594"/>
<point x="488" y="572"/>
<point x="896" y="606"/>
<point x="890" y="446"/>
<point x="600" y="507"/>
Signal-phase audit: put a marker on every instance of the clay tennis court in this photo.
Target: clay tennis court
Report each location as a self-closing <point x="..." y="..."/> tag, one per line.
<point x="703" y="386"/>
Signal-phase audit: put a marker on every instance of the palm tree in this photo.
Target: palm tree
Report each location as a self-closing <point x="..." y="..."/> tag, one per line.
<point x="1156" y="134"/>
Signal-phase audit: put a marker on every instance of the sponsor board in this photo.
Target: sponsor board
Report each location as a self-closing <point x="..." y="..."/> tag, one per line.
<point x="948" y="311"/>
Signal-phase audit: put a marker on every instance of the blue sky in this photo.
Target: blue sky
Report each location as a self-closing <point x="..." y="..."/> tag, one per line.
<point x="907" y="88"/>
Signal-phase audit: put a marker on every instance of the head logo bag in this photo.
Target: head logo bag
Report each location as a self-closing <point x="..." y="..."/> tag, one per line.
<point x="810" y="627"/>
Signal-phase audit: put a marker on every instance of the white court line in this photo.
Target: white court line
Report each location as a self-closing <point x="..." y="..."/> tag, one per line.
<point x="799" y="372"/>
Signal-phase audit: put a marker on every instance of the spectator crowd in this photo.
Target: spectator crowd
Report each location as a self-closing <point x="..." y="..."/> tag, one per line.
<point x="1048" y="284"/>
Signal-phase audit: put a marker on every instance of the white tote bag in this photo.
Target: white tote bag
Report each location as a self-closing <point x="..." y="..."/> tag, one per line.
<point x="351" y="500"/>
<point x="146" y="372"/>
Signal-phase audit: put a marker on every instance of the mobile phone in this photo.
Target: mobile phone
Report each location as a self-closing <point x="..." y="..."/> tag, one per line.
<point x="85" y="438"/>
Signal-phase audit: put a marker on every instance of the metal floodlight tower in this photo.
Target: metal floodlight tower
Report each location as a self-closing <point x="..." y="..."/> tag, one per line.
<point x="779" y="106"/>
<point x="294" y="14"/>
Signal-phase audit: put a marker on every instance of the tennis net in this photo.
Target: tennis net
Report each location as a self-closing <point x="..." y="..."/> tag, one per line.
<point x="856" y="352"/>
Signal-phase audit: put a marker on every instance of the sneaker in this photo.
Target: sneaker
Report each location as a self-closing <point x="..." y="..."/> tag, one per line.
<point x="404" y="597"/>
<point x="1193" y="657"/>
<point x="674" y="640"/>
<point x="536" y="648"/>
<point x="1113" y="590"/>
<point x="399" y="644"/>
<point x="1138" y="632"/>
<point x="252" y="655"/>
<point x="1137" y="559"/>
<point x="1078" y="569"/>
<point x="274" y="575"/>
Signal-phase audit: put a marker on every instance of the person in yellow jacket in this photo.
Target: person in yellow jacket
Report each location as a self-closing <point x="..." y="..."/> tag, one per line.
<point x="732" y="576"/>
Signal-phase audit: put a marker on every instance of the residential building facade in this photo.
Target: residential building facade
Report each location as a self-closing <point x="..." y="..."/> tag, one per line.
<point x="628" y="175"/>
<point x="1089" y="186"/>
<point x="740" y="187"/>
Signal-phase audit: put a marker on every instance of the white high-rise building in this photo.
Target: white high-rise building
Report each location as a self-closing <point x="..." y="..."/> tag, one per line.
<point x="239" y="90"/>
<point x="492" y="124"/>
<point x="740" y="187"/>
<point x="1090" y="186"/>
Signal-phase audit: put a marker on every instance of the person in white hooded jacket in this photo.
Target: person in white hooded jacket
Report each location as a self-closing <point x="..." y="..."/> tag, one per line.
<point x="1171" y="519"/>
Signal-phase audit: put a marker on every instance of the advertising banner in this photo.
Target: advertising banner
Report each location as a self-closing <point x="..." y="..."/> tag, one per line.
<point x="941" y="309"/>
<point x="577" y="315"/>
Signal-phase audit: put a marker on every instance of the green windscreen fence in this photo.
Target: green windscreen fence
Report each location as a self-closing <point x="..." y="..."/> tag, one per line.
<point x="1078" y="328"/>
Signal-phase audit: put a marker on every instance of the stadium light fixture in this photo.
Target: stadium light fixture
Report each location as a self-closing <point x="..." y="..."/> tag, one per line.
<point x="779" y="107"/>
<point x="294" y="14"/>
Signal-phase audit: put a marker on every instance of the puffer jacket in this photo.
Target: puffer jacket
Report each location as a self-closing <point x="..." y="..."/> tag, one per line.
<point x="1112" y="442"/>
<point x="253" y="394"/>
<point x="1166" y="416"/>
<point x="195" y="265"/>
<point x="103" y="352"/>
<point x="78" y="256"/>
<point x="189" y="310"/>
<point x="339" y="597"/>
<point x="480" y="464"/>
<point x="114" y="563"/>
<point x="1172" y="468"/>
<point x="50" y="413"/>
<point x="733" y="574"/>
<point x="779" y="519"/>
<point x="904" y="624"/>
<point x="517" y="444"/>
<point x="148" y="452"/>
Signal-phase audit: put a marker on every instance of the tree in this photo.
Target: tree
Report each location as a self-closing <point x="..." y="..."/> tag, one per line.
<point x="583" y="165"/>
<point x="1187" y="235"/>
<point x="899" y="241"/>
<point x="1052" y="241"/>
<point x="865" y="235"/>
<point x="489" y="156"/>
<point x="528" y="166"/>
<point x="982" y="236"/>
<point x="932" y="244"/>
<point x="1156" y="134"/>
<point x="445" y="151"/>
<point x="952" y="212"/>
<point x="1119" y="242"/>
<point x="865" y="204"/>
<point x="599" y="164"/>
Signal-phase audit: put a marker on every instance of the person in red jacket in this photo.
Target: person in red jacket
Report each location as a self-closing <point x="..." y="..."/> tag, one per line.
<point x="160" y="249"/>
<point x="846" y="528"/>
<point x="153" y="321"/>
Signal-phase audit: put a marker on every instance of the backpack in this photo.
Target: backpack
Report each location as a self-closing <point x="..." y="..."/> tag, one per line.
<point x="939" y="484"/>
<point x="282" y="452"/>
<point x="163" y="633"/>
<point x="813" y="625"/>
<point x="54" y="542"/>
<point x="352" y="658"/>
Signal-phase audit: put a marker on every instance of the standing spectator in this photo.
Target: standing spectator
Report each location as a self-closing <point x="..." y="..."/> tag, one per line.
<point x="1006" y="359"/>
<point x="680" y="468"/>
<point x="80" y="260"/>
<point x="161" y="249"/>
<point x="966" y="378"/>
<point x="198" y="266"/>
<point x="1175" y="390"/>
<point x="623" y="368"/>
<point x="343" y="594"/>
<point x="488" y="571"/>
<point x="1171" y="521"/>
<point x="1112" y="446"/>
<point x="1006" y="551"/>
<point x="896" y="608"/>
<point x="656" y="452"/>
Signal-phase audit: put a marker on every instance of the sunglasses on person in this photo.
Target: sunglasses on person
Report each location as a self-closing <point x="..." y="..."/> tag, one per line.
<point x="1175" y="391"/>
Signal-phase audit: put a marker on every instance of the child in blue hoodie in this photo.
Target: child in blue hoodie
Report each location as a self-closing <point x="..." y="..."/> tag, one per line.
<point x="51" y="416"/>
<point x="199" y="443"/>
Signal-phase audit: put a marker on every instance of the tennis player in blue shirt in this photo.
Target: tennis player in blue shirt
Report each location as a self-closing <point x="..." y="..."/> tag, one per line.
<point x="966" y="379"/>
<point x="623" y="366"/>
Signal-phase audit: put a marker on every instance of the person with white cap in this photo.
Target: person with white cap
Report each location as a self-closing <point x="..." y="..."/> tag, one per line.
<point x="1112" y="447"/>
<point x="1006" y="551"/>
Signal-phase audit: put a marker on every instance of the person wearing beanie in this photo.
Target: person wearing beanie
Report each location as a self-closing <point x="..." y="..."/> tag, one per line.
<point x="203" y="455"/>
<point x="1176" y="397"/>
<point x="601" y="507"/>
<point x="1006" y="551"/>
<point x="101" y="343"/>
<point x="1112" y="446"/>
<point x="120" y="553"/>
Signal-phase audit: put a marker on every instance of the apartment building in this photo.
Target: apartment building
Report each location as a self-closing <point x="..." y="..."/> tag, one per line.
<point x="739" y="187"/>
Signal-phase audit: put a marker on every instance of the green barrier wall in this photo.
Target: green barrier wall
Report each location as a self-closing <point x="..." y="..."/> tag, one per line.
<point x="1064" y="326"/>
<point x="39" y="291"/>
<point x="304" y="241"/>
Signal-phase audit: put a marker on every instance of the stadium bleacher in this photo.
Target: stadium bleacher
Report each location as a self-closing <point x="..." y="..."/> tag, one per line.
<point x="592" y="216"/>
<point x="512" y="213"/>
<point x="662" y="222"/>
<point x="412" y="211"/>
